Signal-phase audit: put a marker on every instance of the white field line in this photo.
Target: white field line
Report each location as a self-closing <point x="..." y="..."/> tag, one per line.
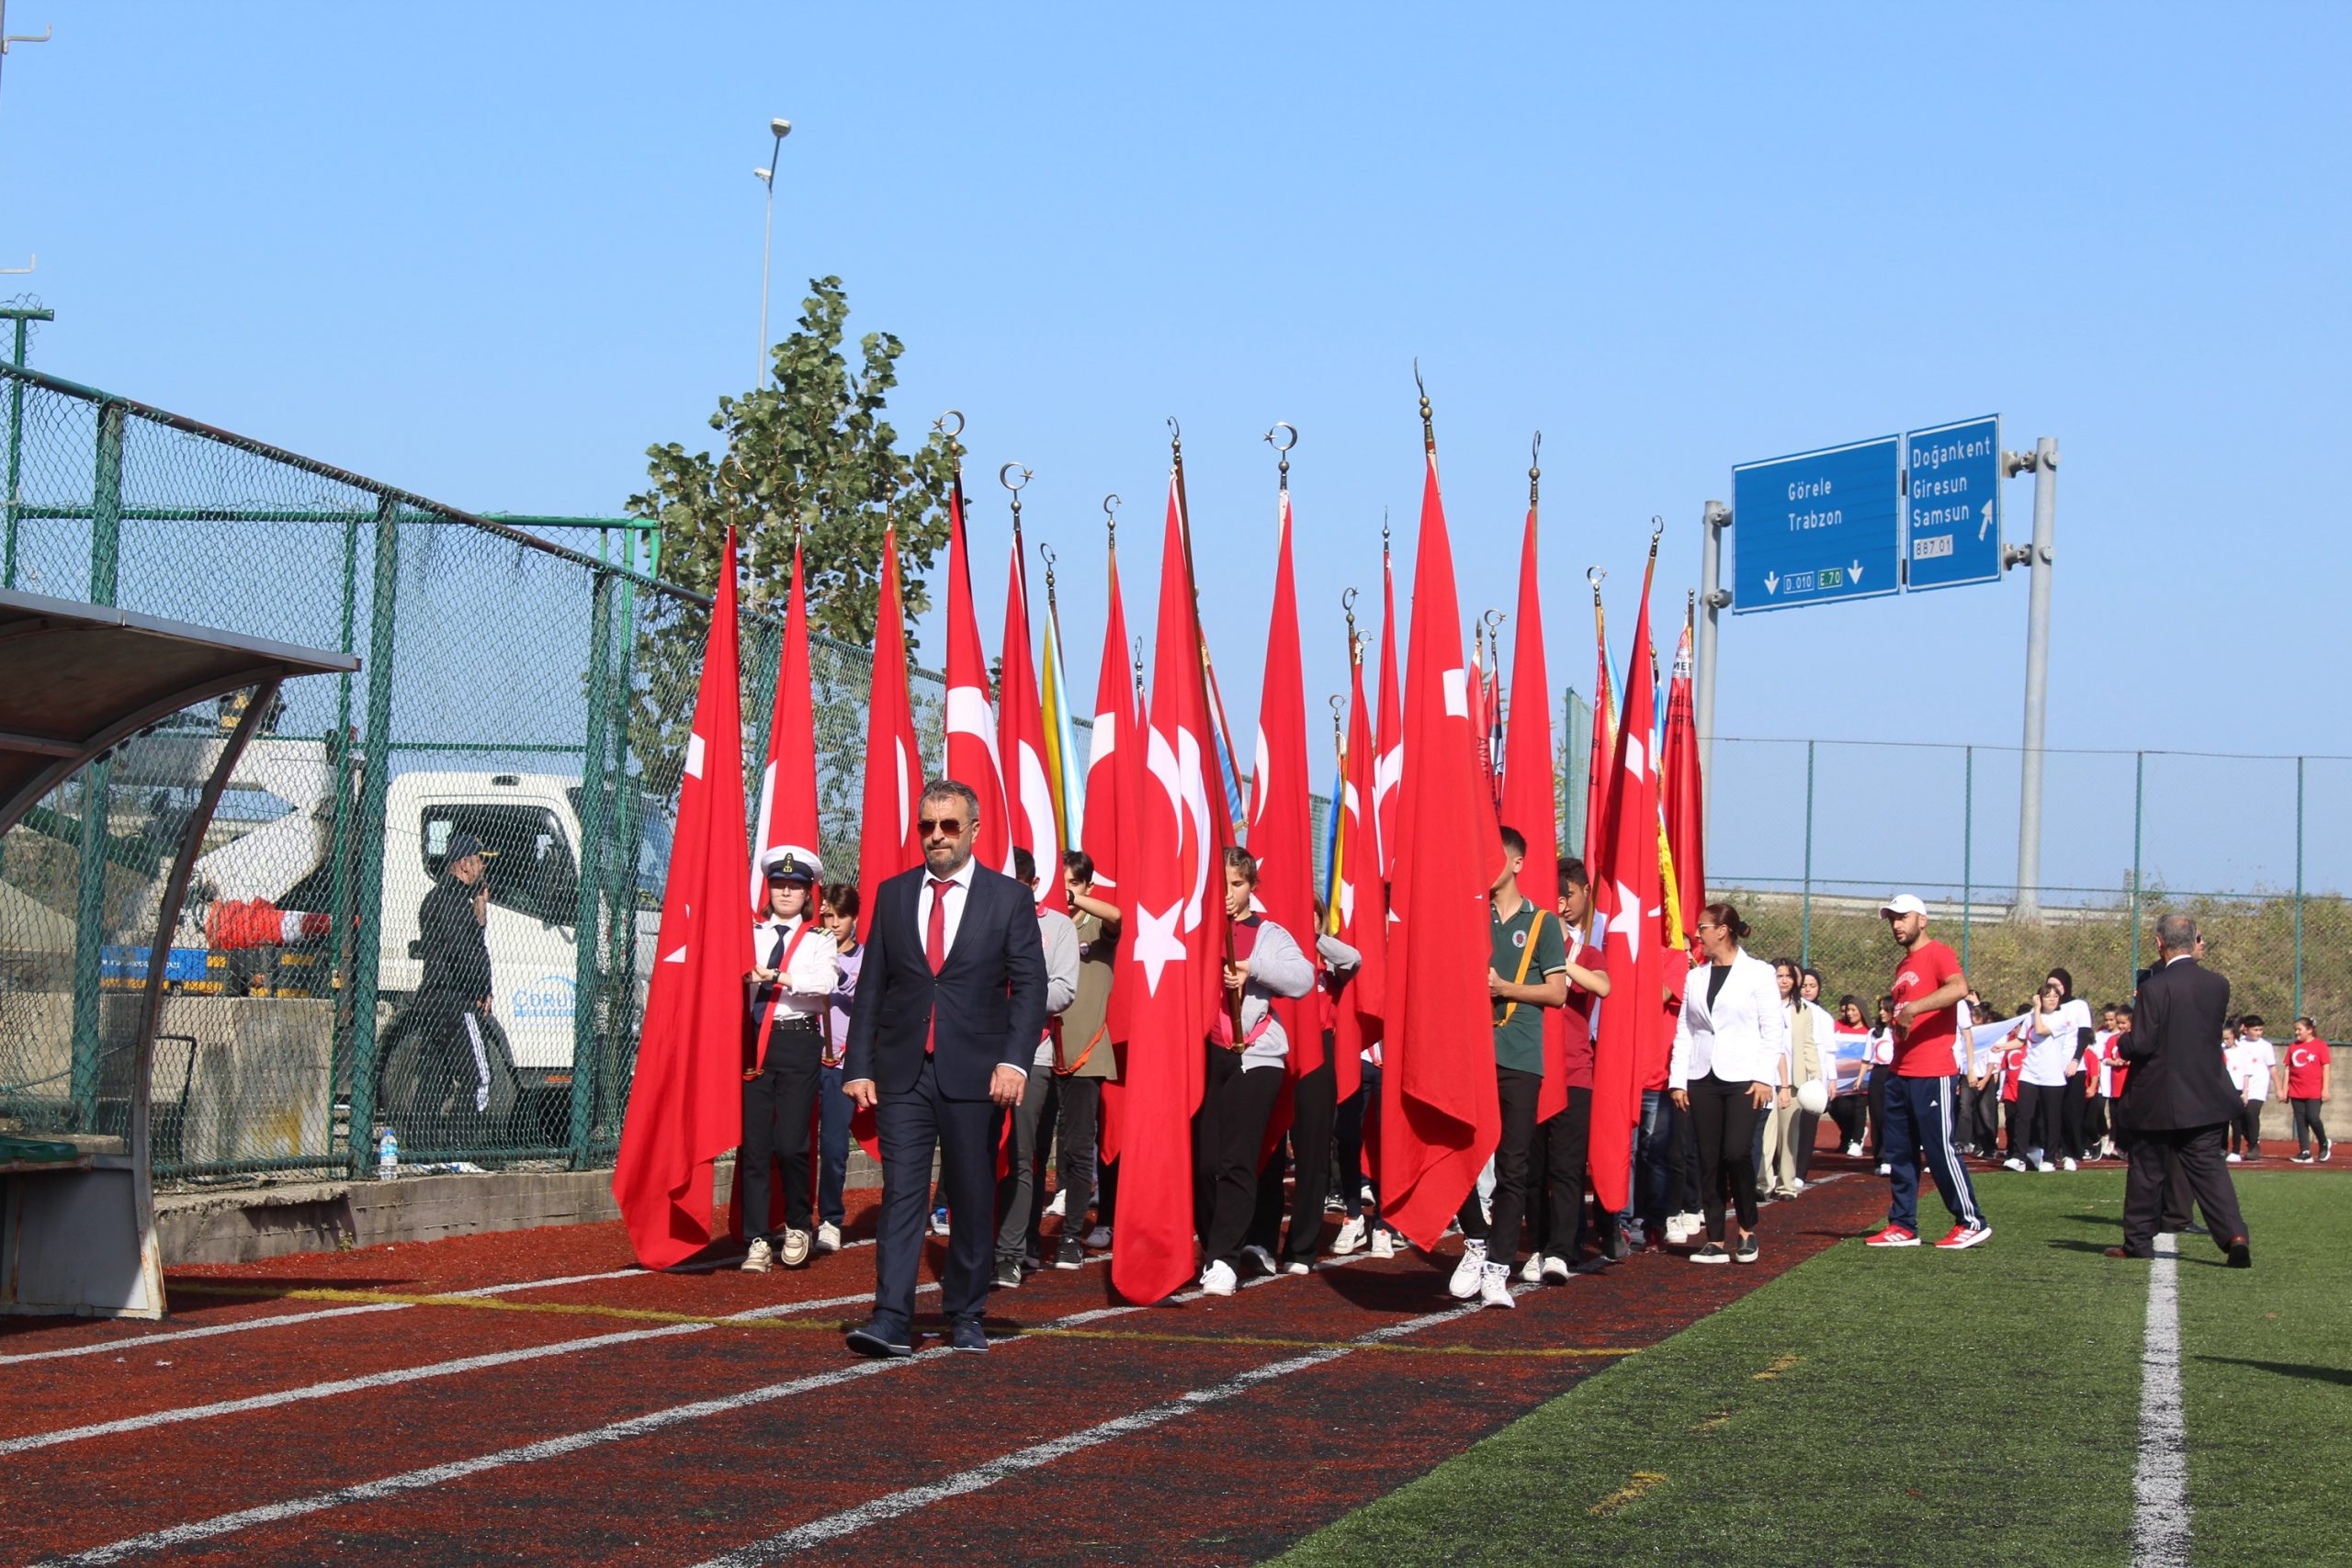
<point x="2160" y="1536"/>
<point x="556" y="1447"/>
<point x="896" y="1505"/>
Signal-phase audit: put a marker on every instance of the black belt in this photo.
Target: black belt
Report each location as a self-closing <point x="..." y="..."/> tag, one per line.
<point x="795" y="1022"/>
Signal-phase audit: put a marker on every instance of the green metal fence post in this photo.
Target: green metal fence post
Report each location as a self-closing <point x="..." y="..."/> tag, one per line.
<point x="339" y="840"/>
<point x="24" y="317"/>
<point x="587" y="925"/>
<point x="2299" y="888"/>
<point x="90" y="893"/>
<point x="2139" y="796"/>
<point x="620" y="1005"/>
<point x="1805" y="942"/>
<point x="1967" y="849"/>
<point x="375" y="784"/>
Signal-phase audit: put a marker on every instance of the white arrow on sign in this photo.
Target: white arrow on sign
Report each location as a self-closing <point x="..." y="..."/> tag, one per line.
<point x="1856" y="570"/>
<point x="1771" y="581"/>
<point x="1985" y="523"/>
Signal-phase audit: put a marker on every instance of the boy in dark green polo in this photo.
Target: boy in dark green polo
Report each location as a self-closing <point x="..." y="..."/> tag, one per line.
<point x="1528" y="972"/>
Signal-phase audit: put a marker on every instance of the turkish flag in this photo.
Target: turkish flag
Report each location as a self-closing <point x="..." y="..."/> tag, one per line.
<point x="1021" y="744"/>
<point x="1439" y="1116"/>
<point x="685" y="1099"/>
<point x="1282" y="822"/>
<point x="1169" y="959"/>
<point x="1604" y="747"/>
<point x="787" y="813"/>
<point x="1112" y="823"/>
<point x="1531" y="798"/>
<point x="1361" y="896"/>
<point x="1388" y="736"/>
<point x="1479" y="710"/>
<point x="1628" y="890"/>
<point x="972" y="757"/>
<point x="1685" y="803"/>
<point x="887" y="843"/>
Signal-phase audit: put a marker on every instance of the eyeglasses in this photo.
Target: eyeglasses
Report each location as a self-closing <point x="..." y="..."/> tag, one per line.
<point x="953" y="827"/>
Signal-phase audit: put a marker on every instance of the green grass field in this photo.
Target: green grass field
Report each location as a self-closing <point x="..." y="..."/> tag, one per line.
<point x="1917" y="1408"/>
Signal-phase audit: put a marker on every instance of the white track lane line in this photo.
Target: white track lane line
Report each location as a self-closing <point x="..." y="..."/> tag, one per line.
<point x="896" y="1505"/>
<point x="556" y="1447"/>
<point x="2160" y="1535"/>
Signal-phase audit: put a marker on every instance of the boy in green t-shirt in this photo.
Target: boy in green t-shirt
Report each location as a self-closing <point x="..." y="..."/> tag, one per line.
<point x="1527" y="972"/>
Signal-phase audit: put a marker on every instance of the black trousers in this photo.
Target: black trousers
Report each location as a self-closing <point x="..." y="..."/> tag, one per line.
<point x="1347" y="1141"/>
<point x="1517" y="1092"/>
<point x="1850" y="1111"/>
<point x="1314" y="1107"/>
<point x="2191" y="1157"/>
<point x="1725" y="1122"/>
<point x="2095" y="1120"/>
<point x="777" y="1107"/>
<point x="2040" y="1115"/>
<point x="1555" y="1175"/>
<point x="1881" y="1077"/>
<point x="912" y="1127"/>
<point x="2308" y="1126"/>
<point x="1074" y="1147"/>
<point x="2245" y="1129"/>
<point x="1682" y="1166"/>
<point x="1226" y="1137"/>
<point x="1021" y="1190"/>
<point x="2073" y="1119"/>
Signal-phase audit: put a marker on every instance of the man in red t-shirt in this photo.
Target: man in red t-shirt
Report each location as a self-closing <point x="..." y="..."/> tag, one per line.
<point x="1924" y="1090"/>
<point x="2305" y="1067"/>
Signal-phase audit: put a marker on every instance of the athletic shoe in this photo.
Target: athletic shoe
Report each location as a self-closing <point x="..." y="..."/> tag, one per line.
<point x="1556" y="1272"/>
<point x="759" y="1258"/>
<point x="1677" y="1230"/>
<point x="2068" y="1164"/>
<point x="1892" y="1235"/>
<point x="1030" y="1262"/>
<point x="1635" y="1239"/>
<point x="2012" y="1163"/>
<point x="1853" y="1151"/>
<point x="1218" y="1279"/>
<point x="939" y="1221"/>
<point x="2241" y="1256"/>
<point x="1533" y="1270"/>
<point x="1350" y="1239"/>
<point x="1069" y="1255"/>
<point x="1466" y="1273"/>
<point x="1295" y="1266"/>
<point x="1712" y="1253"/>
<point x="2302" y="1159"/>
<point x="968" y="1334"/>
<point x="1383" y="1242"/>
<point x="1008" y="1274"/>
<point x="1364" y="1196"/>
<point x="2234" y="1159"/>
<point x="1747" y="1251"/>
<point x="2046" y="1169"/>
<point x="878" y="1339"/>
<point x="1963" y="1236"/>
<point x="829" y="1237"/>
<point x="795" y="1249"/>
<point x="1060" y="1202"/>
<point x="2326" y="1153"/>
<point x="1887" y="1170"/>
<point x="1494" y="1286"/>
<point x="1798" y="1186"/>
<point x="1099" y="1237"/>
<point x="1262" y="1258"/>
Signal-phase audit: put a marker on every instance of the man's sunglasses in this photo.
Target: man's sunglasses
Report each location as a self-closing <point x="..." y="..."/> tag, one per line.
<point x="953" y="827"/>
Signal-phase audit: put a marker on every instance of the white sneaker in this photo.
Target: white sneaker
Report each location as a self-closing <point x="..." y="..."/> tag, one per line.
<point x="2234" y="1159"/>
<point x="1853" y="1151"/>
<point x="1533" y="1270"/>
<point x="1799" y="1185"/>
<point x="1675" y="1235"/>
<point x="1556" y="1272"/>
<point x="1098" y="1238"/>
<point x="795" y="1251"/>
<point x="1262" y="1258"/>
<point x="1383" y="1242"/>
<point x="2046" y="1169"/>
<point x="1217" y="1280"/>
<point x="1889" y="1170"/>
<point x="1364" y="1197"/>
<point x="1060" y="1202"/>
<point x="1350" y="1239"/>
<point x="759" y="1258"/>
<point x="2068" y="1164"/>
<point x="2012" y="1163"/>
<point x="1295" y="1267"/>
<point x="1494" y="1286"/>
<point x="829" y="1237"/>
<point x="1468" y="1272"/>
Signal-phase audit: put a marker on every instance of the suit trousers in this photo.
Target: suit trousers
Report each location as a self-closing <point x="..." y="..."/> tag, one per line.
<point x="911" y="1127"/>
<point x="1226" y="1136"/>
<point x="2191" y="1157"/>
<point x="777" y="1106"/>
<point x="1725" y="1122"/>
<point x="1517" y="1092"/>
<point x="1555" y="1173"/>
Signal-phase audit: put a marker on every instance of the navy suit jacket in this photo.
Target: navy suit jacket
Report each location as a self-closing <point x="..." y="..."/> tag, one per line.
<point x="988" y="1001"/>
<point x="2179" y="1078"/>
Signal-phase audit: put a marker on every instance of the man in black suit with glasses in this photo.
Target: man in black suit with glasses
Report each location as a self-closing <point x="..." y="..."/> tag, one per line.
<point x="2178" y="1101"/>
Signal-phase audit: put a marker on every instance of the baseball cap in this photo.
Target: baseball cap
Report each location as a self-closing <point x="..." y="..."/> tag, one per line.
<point x="1903" y="904"/>
<point x="790" y="862"/>
<point x="464" y="844"/>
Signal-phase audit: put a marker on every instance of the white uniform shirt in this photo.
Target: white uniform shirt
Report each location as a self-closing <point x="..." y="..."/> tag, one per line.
<point x="808" y="979"/>
<point x="2255" y="1059"/>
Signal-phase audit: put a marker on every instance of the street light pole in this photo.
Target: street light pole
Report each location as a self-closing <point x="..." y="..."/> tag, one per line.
<point x="2043" y="463"/>
<point x="783" y="128"/>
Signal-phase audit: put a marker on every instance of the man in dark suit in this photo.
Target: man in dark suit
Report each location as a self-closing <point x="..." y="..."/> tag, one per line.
<point x="2178" y="1101"/>
<point x="950" y="1003"/>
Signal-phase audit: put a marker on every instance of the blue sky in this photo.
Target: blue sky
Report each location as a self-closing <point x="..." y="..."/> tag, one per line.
<point x="491" y="252"/>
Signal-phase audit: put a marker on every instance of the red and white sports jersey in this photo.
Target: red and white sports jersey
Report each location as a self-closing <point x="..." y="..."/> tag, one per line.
<point x="2306" y="1063"/>
<point x="2012" y="1067"/>
<point x="2255" y="1059"/>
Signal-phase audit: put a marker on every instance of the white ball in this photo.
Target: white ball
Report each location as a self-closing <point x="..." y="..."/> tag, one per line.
<point x="1813" y="1096"/>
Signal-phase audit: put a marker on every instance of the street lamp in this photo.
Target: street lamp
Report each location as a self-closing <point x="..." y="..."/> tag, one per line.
<point x="783" y="128"/>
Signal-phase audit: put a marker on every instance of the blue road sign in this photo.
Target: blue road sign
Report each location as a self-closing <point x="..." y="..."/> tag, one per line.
<point x="1817" y="526"/>
<point x="1954" y="485"/>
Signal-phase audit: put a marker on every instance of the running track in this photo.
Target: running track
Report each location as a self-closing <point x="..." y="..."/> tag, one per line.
<point x="531" y="1397"/>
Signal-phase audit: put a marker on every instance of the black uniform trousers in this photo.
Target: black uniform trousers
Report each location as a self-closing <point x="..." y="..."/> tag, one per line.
<point x="2169" y="1165"/>
<point x="1226" y="1136"/>
<point x="1725" y="1120"/>
<point x="1555" y="1175"/>
<point x="965" y="1134"/>
<point x="1517" y="1092"/>
<point x="1314" y="1107"/>
<point x="777" y="1107"/>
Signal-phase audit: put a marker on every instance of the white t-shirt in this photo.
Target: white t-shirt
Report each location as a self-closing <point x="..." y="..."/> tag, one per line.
<point x="2251" y="1063"/>
<point x="2047" y="1056"/>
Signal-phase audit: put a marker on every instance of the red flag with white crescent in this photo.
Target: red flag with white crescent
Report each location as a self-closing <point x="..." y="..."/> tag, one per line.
<point x="1389" y="735"/>
<point x="1363" y="899"/>
<point x="787" y="809"/>
<point x="971" y="724"/>
<point x="1628" y="890"/>
<point x="1021" y="744"/>
<point x="1531" y="795"/>
<point x="1281" y="822"/>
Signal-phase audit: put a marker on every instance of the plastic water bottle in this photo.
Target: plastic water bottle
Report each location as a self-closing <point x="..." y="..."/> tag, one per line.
<point x="388" y="1154"/>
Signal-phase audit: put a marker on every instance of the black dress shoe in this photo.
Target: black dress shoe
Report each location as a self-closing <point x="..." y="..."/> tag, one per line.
<point x="878" y="1338"/>
<point x="2241" y="1256"/>
<point x="2194" y="1229"/>
<point x="966" y="1334"/>
<point x="2125" y="1252"/>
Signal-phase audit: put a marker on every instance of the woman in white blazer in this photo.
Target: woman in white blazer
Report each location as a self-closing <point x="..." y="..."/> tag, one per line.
<point x="1731" y="1046"/>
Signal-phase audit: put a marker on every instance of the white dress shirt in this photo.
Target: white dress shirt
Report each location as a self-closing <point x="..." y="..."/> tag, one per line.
<point x="957" y="897"/>
<point x="1741" y="1036"/>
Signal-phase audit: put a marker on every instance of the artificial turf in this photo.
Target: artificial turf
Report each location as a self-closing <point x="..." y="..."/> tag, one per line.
<point x="1914" y="1408"/>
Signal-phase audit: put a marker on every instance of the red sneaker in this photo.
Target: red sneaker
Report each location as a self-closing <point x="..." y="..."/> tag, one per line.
<point x="1892" y="1235"/>
<point x="1964" y="1235"/>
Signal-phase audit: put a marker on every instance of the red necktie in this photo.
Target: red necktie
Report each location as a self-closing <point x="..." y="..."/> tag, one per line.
<point x="935" y="948"/>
